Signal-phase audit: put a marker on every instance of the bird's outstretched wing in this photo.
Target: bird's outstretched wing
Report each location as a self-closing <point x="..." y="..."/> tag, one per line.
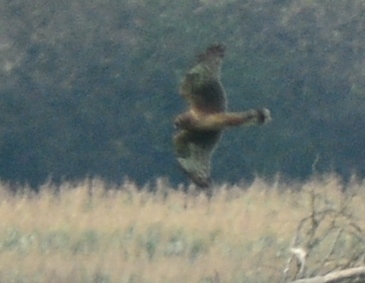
<point x="201" y="86"/>
<point x="197" y="138"/>
<point x="194" y="150"/>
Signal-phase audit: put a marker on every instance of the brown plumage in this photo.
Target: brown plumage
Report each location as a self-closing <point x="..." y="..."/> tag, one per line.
<point x="200" y="128"/>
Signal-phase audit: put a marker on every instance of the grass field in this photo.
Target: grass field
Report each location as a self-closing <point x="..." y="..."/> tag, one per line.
<point x="91" y="232"/>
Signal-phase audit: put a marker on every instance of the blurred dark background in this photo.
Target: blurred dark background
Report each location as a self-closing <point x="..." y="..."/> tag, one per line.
<point x="90" y="87"/>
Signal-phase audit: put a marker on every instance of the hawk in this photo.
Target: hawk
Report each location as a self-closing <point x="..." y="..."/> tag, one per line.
<point x="200" y="128"/>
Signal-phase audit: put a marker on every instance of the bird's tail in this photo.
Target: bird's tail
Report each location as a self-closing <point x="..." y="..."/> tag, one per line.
<point x="219" y="121"/>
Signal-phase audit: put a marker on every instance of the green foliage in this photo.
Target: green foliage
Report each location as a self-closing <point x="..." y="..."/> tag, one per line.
<point x="151" y="240"/>
<point x="88" y="242"/>
<point x="54" y="241"/>
<point x="198" y="247"/>
<point x="91" y="87"/>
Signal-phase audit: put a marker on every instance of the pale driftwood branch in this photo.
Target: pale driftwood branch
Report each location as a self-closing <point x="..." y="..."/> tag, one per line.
<point x="351" y="275"/>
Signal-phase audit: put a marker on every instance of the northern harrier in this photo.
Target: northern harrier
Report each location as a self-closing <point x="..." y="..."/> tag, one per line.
<point x="200" y="128"/>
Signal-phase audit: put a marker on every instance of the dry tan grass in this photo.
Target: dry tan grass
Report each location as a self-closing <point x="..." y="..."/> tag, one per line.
<point x="89" y="233"/>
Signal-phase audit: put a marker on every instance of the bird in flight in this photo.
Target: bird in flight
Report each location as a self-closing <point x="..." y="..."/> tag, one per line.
<point x="199" y="129"/>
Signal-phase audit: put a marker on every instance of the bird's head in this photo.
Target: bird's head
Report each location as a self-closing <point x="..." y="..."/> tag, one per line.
<point x="184" y="121"/>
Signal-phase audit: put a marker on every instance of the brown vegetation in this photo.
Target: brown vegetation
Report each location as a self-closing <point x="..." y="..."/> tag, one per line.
<point x="91" y="232"/>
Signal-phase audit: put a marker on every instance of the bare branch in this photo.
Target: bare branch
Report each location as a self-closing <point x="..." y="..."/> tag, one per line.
<point x="356" y="274"/>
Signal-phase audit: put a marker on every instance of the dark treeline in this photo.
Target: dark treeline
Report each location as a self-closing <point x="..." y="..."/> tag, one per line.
<point x="90" y="87"/>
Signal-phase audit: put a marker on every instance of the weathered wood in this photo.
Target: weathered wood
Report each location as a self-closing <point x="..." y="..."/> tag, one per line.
<point x="351" y="275"/>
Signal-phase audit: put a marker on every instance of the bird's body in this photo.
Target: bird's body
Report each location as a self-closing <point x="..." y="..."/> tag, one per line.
<point x="201" y="126"/>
